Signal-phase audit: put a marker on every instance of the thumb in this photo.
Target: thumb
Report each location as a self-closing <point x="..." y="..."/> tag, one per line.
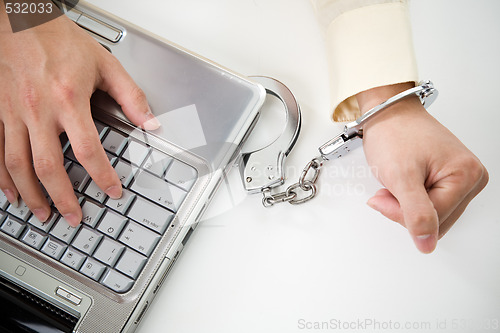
<point x="119" y="85"/>
<point x="388" y="205"/>
<point x="419" y="215"/>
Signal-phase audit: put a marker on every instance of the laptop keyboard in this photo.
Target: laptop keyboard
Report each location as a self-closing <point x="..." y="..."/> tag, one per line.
<point x="116" y="237"/>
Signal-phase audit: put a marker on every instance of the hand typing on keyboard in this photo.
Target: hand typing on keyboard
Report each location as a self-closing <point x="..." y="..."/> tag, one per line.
<point x="48" y="75"/>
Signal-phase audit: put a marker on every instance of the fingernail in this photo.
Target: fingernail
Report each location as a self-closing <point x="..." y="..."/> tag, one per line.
<point x="14" y="201"/>
<point x="152" y="122"/>
<point x="72" y="219"/>
<point x="114" y="192"/>
<point x="41" y="214"/>
<point x="371" y="204"/>
<point x="425" y="243"/>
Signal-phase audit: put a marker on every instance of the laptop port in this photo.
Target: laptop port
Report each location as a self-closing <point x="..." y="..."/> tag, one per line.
<point x="143" y="311"/>
<point x="164" y="276"/>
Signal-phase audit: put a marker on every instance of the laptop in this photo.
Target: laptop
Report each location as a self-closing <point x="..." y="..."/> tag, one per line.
<point x="103" y="275"/>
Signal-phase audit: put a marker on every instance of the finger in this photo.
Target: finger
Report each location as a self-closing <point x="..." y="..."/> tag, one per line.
<point x="118" y="83"/>
<point x="49" y="167"/>
<point x="384" y="202"/>
<point x="18" y="162"/>
<point x="387" y="205"/>
<point x="450" y="221"/>
<point x="6" y="183"/>
<point x="448" y="192"/>
<point x="453" y="217"/>
<point x="419" y="215"/>
<point x="88" y="150"/>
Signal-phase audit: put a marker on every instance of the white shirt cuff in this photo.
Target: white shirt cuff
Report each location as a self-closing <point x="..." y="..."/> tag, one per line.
<point x="368" y="47"/>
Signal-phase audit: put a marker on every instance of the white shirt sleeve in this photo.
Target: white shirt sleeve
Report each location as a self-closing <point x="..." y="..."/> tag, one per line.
<point x="369" y="45"/>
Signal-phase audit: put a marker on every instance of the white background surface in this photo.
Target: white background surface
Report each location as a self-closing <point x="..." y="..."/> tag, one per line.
<point x="251" y="269"/>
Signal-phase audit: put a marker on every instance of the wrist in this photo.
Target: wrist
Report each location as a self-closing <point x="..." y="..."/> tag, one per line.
<point x="405" y="108"/>
<point x="370" y="98"/>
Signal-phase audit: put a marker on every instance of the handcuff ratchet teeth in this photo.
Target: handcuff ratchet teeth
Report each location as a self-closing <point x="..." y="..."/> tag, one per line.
<point x="264" y="168"/>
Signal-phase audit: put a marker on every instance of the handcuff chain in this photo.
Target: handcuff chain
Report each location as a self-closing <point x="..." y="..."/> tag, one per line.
<point x="305" y="183"/>
<point x="340" y="145"/>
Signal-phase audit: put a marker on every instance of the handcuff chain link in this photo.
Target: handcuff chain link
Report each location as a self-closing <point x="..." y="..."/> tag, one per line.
<point x="306" y="184"/>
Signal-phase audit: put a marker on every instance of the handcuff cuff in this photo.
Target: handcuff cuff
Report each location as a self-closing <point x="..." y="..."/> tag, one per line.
<point x="263" y="169"/>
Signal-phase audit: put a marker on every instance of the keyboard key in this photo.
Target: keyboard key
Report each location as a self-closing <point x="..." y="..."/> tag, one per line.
<point x="69" y="154"/>
<point x="33" y="238"/>
<point x="101" y="128"/>
<point x="125" y="172"/>
<point x="63" y="231"/>
<point x="21" y="211"/>
<point x="78" y="176"/>
<point x="12" y="227"/>
<point x="53" y="248"/>
<point x="108" y="251"/>
<point x="135" y="153"/>
<point x="95" y="192"/>
<point x="67" y="164"/>
<point x="150" y="215"/>
<point x="157" y="163"/>
<point x="117" y="281"/>
<point x="112" y="158"/>
<point x="44" y="226"/>
<point x="63" y="138"/>
<point x="93" y="269"/>
<point x="116" y="237"/>
<point x="112" y="224"/>
<point x="92" y="212"/>
<point x="131" y="263"/>
<point x="3" y="201"/>
<point x="139" y="238"/>
<point x="87" y="240"/>
<point x="181" y="174"/>
<point x="158" y="190"/>
<point x="114" y="142"/>
<point x="46" y="194"/>
<point x="73" y="258"/>
<point x="79" y="197"/>
<point x="121" y="205"/>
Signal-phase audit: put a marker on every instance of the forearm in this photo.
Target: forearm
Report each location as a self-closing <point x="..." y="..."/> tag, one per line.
<point x="369" y="45"/>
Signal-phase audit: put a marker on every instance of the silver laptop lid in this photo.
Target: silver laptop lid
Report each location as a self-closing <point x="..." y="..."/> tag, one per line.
<point x="204" y="108"/>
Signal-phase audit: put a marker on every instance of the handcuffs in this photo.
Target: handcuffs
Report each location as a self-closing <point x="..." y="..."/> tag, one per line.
<point x="263" y="169"/>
